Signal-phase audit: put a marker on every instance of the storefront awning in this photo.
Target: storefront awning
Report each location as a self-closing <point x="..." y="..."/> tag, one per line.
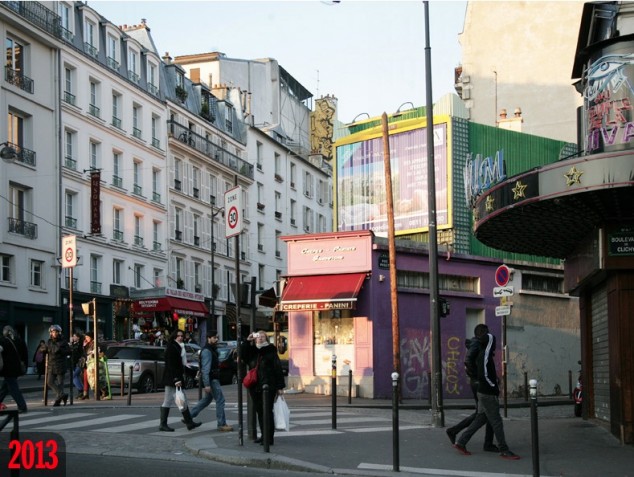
<point x="322" y="292"/>
<point x="172" y="304"/>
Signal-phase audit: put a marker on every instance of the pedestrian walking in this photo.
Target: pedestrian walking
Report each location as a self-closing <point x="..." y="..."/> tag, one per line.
<point x="473" y="349"/>
<point x="210" y="374"/>
<point x="57" y="350"/>
<point x="173" y="377"/>
<point x="38" y="358"/>
<point x="78" y="359"/>
<point x="15" y="356"/>
<point x="257" y="350"/>
<point x="488" y="401"/>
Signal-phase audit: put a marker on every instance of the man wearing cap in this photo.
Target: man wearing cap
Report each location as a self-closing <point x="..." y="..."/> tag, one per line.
<point x="210" y="374"/>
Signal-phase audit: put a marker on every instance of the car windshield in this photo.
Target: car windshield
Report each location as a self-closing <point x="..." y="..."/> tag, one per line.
<point x="223" y="352"/>
<point x="122" y="353"/>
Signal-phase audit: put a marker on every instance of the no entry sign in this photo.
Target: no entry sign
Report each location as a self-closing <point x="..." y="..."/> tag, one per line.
<point x="502" y="275"/>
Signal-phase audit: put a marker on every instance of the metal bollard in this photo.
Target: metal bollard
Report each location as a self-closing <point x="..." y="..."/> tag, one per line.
<point x="570" y="383"/>
<point x="525" y="386"/>
<point x="122" y="377"/>
<point x="429" y="386"/>
<point x="349" y="386"/>
<point x="155" y="376"/>
<point x="333" y="387"/>
<point x="130" y="388"/>
<point x="395" y="446"/>
<point x="534" y="431"/>
<point x="72" y="379"/>
<point x="200" y="376"/>
<point x="266" y="418"/>
<point x="45" y="397"/>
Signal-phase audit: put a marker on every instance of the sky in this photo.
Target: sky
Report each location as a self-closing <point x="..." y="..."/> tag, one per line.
<point x="370" y="55"/>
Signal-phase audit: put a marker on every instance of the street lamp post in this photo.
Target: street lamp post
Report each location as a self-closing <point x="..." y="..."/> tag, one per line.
<point x="212" y="315"/>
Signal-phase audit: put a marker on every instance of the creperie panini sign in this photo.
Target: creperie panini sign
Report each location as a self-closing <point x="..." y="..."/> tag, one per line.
<point x="313" y="306"/>
<point x="330" y="256"/>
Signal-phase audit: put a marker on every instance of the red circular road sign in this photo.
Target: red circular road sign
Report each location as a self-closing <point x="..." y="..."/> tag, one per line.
<point x="232" y="219"/>
<point x="502" y="275"/>
<point x="69" y="255"/>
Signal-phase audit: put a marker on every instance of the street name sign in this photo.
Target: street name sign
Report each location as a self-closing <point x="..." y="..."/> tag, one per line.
<point x="502" y="310"/>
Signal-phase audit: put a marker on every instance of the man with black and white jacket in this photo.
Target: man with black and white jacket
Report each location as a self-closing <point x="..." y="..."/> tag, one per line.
<point x="488" y="400"/>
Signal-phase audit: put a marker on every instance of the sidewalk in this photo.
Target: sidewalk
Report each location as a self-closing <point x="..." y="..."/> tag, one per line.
<point x="568" y="446"/>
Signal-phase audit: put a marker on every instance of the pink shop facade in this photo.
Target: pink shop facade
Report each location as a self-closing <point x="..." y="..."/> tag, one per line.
<point x="337" y="300"/>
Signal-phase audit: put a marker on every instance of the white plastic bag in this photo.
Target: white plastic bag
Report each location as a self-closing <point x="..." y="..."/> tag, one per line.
<point x="282" y="415"/>
<point x="180" y="399"/>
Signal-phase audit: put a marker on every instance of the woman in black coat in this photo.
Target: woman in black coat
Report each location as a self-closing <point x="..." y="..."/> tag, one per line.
<point x="258" y="351"/>
<point x="173" y="375"/>
<point x="14" y="353"/>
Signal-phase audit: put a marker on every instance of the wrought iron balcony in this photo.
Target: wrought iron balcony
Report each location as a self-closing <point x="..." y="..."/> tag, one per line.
<point x="23" y="155"/>
<point x="208" y="148"/>
<point x="95" y="287"/>
<point x="138" y="241"/>
<point x="37" y="14"/>
<point x="117" y="235"/>
<point x="116" y="122"/>
<point x="152" y="89"/>
<point x="137" y="190"/>
<point x="156" y="197"/>
<point x="156" y="143"/>
<point x="94" y="111"/>
<point x="112" y="63"/>
<point x="132" y="76"/>
<point x="67" y="34"/>
<point x="67" y="283"/>
<point x="70" y="222"/>
<point x="22" y="227"/>
<point x="69" y="98"/>
<point x="136" y="132"/>
<point x="156" y="246"/>
<point x="90" y="50"/>
<point x="117" y="181"/>
<point x="70" y="163"/>
<point x="18" y="79"/>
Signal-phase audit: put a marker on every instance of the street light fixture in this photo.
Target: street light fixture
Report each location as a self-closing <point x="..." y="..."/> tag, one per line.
<point x="8" y="152"/>
<point x="400" y="111"/>
<point x="357" y="117"/>
<point x="212" y="315"/>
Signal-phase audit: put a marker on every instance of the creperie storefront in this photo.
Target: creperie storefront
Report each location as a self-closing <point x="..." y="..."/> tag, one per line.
<point x="326" y="278"/>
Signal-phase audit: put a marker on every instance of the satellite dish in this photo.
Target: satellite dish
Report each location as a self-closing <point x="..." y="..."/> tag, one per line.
<point x="7" y="153"/>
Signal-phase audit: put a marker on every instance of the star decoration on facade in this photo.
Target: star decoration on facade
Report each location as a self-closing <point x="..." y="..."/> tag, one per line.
<point x="573" y="176"/>
<point x="518" y="190"/>
<point x="489" y="204"/>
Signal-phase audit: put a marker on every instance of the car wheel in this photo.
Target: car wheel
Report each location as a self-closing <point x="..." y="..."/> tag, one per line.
<point x="146" y="383"/>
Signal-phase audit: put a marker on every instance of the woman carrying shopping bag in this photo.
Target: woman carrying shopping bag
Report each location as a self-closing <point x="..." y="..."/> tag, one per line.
<point x="173" y="380"/>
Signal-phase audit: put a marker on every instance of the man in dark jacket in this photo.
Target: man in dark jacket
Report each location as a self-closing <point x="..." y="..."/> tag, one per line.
<point x="172" y="379"/>
<point x="488" y="400"/>
<point x="210" y="374"/>
<point x="257" y="349"/>
<point x="57" y="350"/>
<point x="473" y="349"/>
<point x="15" y="357"/>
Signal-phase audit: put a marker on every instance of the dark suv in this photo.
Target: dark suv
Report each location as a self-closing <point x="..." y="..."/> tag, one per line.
<point x="148" y="363"/>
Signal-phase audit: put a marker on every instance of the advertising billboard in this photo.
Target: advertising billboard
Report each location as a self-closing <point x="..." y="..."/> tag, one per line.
<point x="360" y="179"/>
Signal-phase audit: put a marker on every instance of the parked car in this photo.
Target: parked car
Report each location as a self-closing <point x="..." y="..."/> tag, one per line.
<point x="148" y="364"/>
<point x="228" y="364"/>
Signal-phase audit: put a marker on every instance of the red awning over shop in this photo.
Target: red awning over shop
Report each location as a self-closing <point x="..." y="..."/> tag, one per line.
<point x="322" y="292"/>
<point x="178" y="305"/>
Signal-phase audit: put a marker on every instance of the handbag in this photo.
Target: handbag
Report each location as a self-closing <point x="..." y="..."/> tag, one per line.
<point x="251" y="379"/>
<point x="281" y="414"/>
<point x="180" y="399"/>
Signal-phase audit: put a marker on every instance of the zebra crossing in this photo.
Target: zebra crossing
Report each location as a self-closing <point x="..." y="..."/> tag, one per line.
<point x="304" y="421"/>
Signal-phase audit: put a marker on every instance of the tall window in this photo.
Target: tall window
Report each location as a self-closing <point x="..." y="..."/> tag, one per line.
<point x="15" y="55"/>
<point x="70" y="220"/>
<point x="94" y="155"/>
<point x="293" y="174"/>
<point x="278" y="163"/>
<point x="64" y="13"/>
<point x="117" y="224"/>
<point x="112" y="52"/>
<point x="116" y="170"/>
<point x="37" y="272"/>
<point x="138" y="230"/>
<point x="15" y="128"/>
<point x="89" y="33"/>
<point x="5" y="268"/>
<point x="95" y="274"/>
<point x="93" y="107"/>
<point x="117" y="267"/>
<point x="18" y="196"/>
<point x="138" y="275"/>
<point x="68" y="80"/>
<point x="155" y="236"/>
<point x="258" y="155"/>
<point x="156" y="194"/>
<point x="180" y="277"/>
<point x="152" y="77"/>
<point x="196" y="182"/>
<point x="69" y="159"/>
<point x="136" y="169"/>
<point x="133" y="65"/>
<point x="116" y="105"/>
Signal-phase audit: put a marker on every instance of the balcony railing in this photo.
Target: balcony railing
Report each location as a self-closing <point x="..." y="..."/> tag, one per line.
<point x="94" y="111"/>
<point x="152" y="89"/>
<point x="18" y="79"/>
<point x="132" y="76"/>
<point x="70" y="163"/>
<point x="156" y="197"/>
<point x="156" y="143"/>
<point x="156" y="246"/>
<point x="67" y="283"/>
<point x="23" y="155"/>
<point x="138" y="241"/>
<point x="70" y="222"/>
<point x="136" y="132"/>
<point x="90" y="50"/>
<point x="137" y="190"/>
<point x="112" y="63"/>
<point x="117" y="235"/>
<point x="67" y="34"/>
<point x="117" y="181"/>
<point x="69" y="98"/>
<point x="22" y="227"/>
<point x="116" y="122"/>
<point x="95" y="287"/>
<point x="208" y="148"/>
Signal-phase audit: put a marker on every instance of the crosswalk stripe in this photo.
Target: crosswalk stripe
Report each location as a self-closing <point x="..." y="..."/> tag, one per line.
<point x="91" y="422"/>
<point x="384" y="429"/>
<point x="62" y="417"/>
<point x="340" y="420"/>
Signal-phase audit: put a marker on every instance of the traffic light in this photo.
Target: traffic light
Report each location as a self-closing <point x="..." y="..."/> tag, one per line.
<point x="444" y="308"/>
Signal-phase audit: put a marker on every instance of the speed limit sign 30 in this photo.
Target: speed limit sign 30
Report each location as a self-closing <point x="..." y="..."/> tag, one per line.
<point x="233" y="211"/>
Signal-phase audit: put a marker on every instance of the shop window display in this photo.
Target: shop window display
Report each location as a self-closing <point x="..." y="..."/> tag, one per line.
<point x="333" y="334"/>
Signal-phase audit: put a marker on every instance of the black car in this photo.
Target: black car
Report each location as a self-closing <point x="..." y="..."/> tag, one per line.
<point x="228" y="363"/>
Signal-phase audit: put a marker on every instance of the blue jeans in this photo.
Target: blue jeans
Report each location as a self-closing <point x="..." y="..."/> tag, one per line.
<point x="216" y="393"/>
<point x="10" y="386"/>
<point x="78" y="378"/>
<point x="488" y="410"/>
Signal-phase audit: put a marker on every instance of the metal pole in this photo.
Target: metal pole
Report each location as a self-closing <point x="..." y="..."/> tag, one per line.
<point x="504" y="366"/>
<point x="129" y="387"/>
<point x="333" y="387"/>
<point x="387" y="164"/>
<point x="350" y="386"/>
<point x="239" y="336"/>
<point x="266" y="418"/>
<point x="252" y="426"/>
<point x="70" y="332"/>
<point x="96" y="349"/>
<point x="438" y="417"/>
<point x="395" y="441"/>
<point x="534" y="431"/>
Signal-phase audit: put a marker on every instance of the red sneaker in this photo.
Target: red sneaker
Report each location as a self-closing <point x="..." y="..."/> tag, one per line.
<point x="3" y="406"/>
<point x="462" y="449"/>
